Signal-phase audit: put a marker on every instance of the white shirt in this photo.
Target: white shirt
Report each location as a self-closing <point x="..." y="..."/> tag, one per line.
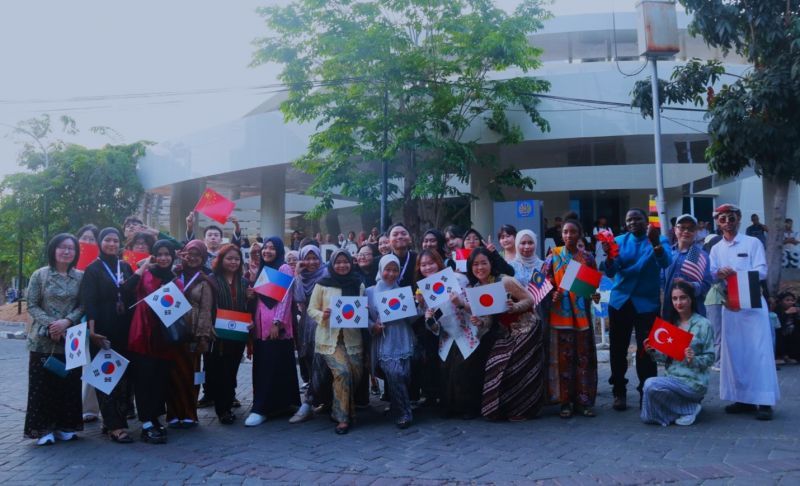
<point x="743" y="253"/>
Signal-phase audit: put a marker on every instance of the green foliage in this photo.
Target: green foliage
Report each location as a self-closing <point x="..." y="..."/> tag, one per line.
<point x="405" y="81"/>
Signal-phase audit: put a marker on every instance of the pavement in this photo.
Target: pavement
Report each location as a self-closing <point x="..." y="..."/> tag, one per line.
<point x="613" y="448"/>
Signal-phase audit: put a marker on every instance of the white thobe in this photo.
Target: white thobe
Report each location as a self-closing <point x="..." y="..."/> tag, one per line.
<point x="747" y="359"/>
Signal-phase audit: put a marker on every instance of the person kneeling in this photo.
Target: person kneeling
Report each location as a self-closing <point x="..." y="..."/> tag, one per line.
<point x="676" y="396"/>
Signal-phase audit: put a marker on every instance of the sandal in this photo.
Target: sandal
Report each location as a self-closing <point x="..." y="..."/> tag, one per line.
<point x="120" y="437"/>
<point x="585" y="411"/>
<point x="566" y="411"/>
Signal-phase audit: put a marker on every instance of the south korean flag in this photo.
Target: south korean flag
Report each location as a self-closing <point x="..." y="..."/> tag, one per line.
<point x="396" y="304"/>
<point x="105" y="370"/>
<point x="76" y="346"/>
<point x="349" y="312"/>
<point x="168" y="303"/>
<point x="436" y="288"/>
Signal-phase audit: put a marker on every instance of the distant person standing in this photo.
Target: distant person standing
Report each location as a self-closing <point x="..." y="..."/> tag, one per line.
<point x="757" y="230"/>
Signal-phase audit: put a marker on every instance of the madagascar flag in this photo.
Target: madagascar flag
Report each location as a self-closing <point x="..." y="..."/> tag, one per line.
<point x="232" y="325"/>
<point x="89" y="253"/>
<point x="134" y="257"/>
<point x="653" y="216"/>
<point x="670" y="340"/>
<point x="273" y="284"/>
<point x="580" y="279"/>
<point x="215" y="206"/>
<point x="744" y="290"/>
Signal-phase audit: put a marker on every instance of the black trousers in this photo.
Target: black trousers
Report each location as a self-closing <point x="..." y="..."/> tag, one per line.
<point x="150" y="377"/>
<point x="623" y="322"/>
<point x="221" y="366"/>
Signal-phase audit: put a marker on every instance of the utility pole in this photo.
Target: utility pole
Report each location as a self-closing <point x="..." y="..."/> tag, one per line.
<point x="384" y="162"/>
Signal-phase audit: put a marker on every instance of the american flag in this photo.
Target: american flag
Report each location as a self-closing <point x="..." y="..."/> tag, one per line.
<point x="539" y="287"/>
<point x="694" y="266"/>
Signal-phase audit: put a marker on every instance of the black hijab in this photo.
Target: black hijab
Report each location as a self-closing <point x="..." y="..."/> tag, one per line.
<point x="350" y="283"/>
<point x="280" y="259"/>
<point x="163" y="274"/>
<point x="111" y="260"/>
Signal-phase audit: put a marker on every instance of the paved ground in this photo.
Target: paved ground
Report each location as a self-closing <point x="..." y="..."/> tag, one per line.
<point x="614" y="448"/>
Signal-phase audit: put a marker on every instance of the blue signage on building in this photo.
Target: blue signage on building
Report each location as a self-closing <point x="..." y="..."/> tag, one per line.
<point x="525" y="209"/>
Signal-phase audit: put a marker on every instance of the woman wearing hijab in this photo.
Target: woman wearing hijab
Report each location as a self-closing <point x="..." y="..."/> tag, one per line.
<point x="151" y="354"/>
<point x="341" y="349"/>
<point x="106" y="293"/>
<point x="393" y="342"/>
<point x="275" y="388"/>
<point x="222" y="361"/>
<point x="473" y="240"/>
<point x="200" y="292"/>
<point x="572" y="376"/>
<point x="526" y="260"/>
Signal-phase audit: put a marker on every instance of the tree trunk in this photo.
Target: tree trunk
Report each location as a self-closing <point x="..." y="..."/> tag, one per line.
<point x="411" y="206"/>
<point x="776" y="193"/>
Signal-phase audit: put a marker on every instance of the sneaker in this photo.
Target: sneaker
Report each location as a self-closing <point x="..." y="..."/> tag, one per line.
<point x="188" y="423"/>
<point x="45" y="440"/>
<point x="205" y="402"/>
<point x="764" y="412"/>
<point x="174" y="424"/>
<point x="65" y="436"/>
<point x="254" y="419"/>
<point x="688" y="419"/>
<point x="303" y="413"/>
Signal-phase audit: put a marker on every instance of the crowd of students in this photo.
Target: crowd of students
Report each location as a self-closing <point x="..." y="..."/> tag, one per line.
<point x="502" y="367"/>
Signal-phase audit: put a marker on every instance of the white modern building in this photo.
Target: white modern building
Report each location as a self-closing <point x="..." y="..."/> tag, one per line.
<point x="597" y="159"/>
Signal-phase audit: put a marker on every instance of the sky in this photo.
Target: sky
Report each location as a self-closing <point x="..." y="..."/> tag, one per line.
<point x="149" y="69"/>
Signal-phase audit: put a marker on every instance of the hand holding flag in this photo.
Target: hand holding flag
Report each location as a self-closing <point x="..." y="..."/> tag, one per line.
<point x="168" y="303"/>
<point x="273" y="283"/>
<point x="580" y="279"/>
<point x="670" y="340"/>
<point x="486" y="300"/>
<point x="606" y="236"/>
<point x="652" y="218"/>
<point x="744" y="290"/>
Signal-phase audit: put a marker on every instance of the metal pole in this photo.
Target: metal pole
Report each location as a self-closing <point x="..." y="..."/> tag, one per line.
<point x="384" y="162"/>
<point x="662" y="211"/>
<point x="19" y="272"/>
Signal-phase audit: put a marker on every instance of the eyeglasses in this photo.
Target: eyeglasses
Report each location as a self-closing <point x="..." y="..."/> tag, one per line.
<point x="686" y="229"/>
<point x="67" y="249"/>
<point x="725" y="219"/>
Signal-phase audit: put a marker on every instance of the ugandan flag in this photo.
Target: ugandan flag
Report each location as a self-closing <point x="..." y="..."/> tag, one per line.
<point x="652" y="218"/>
<point x="232" y="325"/>
<point x="580" y="279"/>
<point x="744" y="290"/>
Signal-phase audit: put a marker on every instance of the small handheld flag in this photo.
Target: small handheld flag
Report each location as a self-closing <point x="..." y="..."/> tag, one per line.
<point x="215" y="206"/>
<point x="487" y="300"/>
<point x="168" y="303"/>
<point x="395" y="304"/>
<point x="744" y="290"/>
<point x="273" y="283"/>
<point x="461" y="256"/>
<point x="134" y="257"/>
<point x="652" y="218"/>
<point x="694" y="266"/>
<point x="580" y="279"/>
<point x="606" y="236"/>
<point x="349" y="312"/>
<point x="105" y="370"/>
<point x="436" y="288"/>
<point x="539" y="287"/>
<point x="232" y="325"/>
<point x="670" y="340"/>
<point x="89" y="253"/>
<point x="76" y="346"/>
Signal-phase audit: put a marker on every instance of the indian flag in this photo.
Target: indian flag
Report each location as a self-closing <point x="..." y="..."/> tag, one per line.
<point x="580" y="279"/>
<point x="744" y="290"/>
<point x="232" y="325"/>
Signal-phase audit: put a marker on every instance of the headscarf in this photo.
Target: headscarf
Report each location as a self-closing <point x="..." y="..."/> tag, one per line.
<point x="294" y="253"/>
<point x="532" y="261"/>
<point x="380" y="284"/>
<point x="280" y="255"/>
<point x="349" y="283"/>
<point x="441" y="242"/>
<point x="309" y="279"/>
<point x="109" y="259"/>
<point x="188" y="275"/>
<point x="163" y="274"/>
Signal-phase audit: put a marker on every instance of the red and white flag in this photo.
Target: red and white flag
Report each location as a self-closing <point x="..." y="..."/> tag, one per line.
<point x="396" y="304"/>
<point x="436" y="288"/>
<point x="461" y="256"/>
<point x="539" y="287"/>
<point x="694" y="266"/>
<point x="487" y="300"/>
<point x="215" y="206"/>
<point x="744" y="290"/>
<point x="670" y="340"/>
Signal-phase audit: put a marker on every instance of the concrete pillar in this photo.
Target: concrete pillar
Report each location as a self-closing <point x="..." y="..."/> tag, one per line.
<point x="184" y="198"/>
<point x="273" y="201"/>
<point x="481" y="210"/>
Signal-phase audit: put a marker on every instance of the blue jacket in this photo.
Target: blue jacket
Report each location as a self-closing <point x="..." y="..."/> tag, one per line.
<point x="669" y="274"/>
<point x="636" y="273"/>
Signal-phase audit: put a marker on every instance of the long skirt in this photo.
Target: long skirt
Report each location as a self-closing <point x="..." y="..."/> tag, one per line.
<point x="572" y="374"/>
<point x="666" y="398"/>
<point x="275" y="387"/>
<point x="346" y="370"/>
<point x="461" y="386"/>
<point x="320" y="382"/>
<point x="182" y="393"/>
<point x="513" y="386"/>
<point x="398" y="379"/>
<point x="54" y="403"/>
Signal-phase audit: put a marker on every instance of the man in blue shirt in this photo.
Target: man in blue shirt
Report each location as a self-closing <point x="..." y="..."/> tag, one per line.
<point x="635" y="298"/>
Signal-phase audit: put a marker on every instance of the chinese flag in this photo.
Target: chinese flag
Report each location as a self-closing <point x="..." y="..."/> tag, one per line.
<point x="215" y="206"/>
<point x="670" y="340"/>
<point x="133" y="257"/>
<point x="89" y="253"/>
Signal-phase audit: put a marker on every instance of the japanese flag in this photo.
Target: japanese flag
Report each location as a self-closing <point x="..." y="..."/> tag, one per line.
<point x="105" y="370"/>
<point x="486" y="300"/>
<point x="349" y="312"/>
<point x="168" y="303"/>
<point x="76" y="345"/>
<point x="396" y="304"/>
<point x="436" y="288"/>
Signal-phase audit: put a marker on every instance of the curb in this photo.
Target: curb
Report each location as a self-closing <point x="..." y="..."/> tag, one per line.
<point x="13" y="335"/>
<point x="8" y="334"/>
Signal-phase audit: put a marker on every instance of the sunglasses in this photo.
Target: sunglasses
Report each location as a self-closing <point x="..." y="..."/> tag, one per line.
<point x="724" y="219"/>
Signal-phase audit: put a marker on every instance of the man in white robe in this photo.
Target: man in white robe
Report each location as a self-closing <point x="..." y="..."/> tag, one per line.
<point x="748" y="377"/>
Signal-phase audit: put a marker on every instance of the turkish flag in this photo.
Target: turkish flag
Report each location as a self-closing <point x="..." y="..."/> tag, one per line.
<point x="134" y="257"/>
<point x="89" y="253"/>
<point x="670" y="340"/>
<point x="215" y="206"/>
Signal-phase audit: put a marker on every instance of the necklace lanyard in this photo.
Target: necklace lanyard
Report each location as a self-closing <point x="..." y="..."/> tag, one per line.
<point x="118" y="278"/>
<point x="190" y="280"/>
<point x="403" y="272"/>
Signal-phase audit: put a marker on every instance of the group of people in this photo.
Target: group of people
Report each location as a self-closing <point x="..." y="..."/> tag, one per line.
<point x="507" y="366"/>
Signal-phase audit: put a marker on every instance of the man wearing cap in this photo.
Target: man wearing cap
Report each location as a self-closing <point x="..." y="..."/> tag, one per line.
<point x="747" y="375"/>
<point x="694" y="272"/>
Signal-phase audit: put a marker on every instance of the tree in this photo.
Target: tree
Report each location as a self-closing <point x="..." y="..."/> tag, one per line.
<point x="403" y="81"/>
<point x="754" y="121"/>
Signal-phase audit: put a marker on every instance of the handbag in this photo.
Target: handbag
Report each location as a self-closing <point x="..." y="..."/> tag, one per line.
<point x="178" y="332"/>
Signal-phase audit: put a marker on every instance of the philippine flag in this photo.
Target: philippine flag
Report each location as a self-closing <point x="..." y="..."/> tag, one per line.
<point x="744" y="290"/>
<point x="168" y="303"/>
<point x="487" y="300"/>
<point x="273" y="283"/>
